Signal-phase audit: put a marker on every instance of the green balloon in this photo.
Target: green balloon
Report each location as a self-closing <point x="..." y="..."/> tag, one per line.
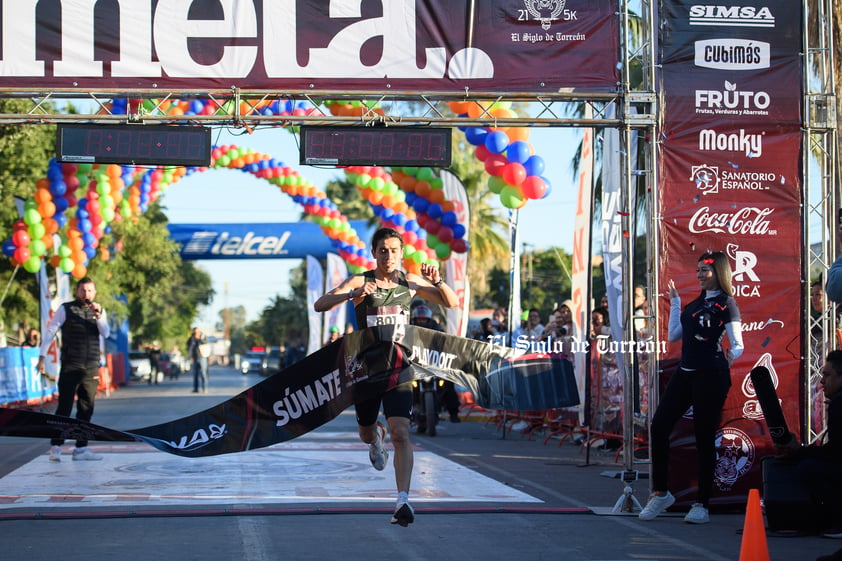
<point x="410" y="170"/>
<point x="32" y="265"/>
<point x="511" y="197"/>
<point x="66" y="264"/>
<point x="37" y="248"/>
<point x="31" y="216"/>
<point x="83" y="168"/>
<point x="425" y="174"/>
<point x="30" y="205"/>
<point x="496" y="184"/>
<point x="108" y="214"/>
<point x="36" y="231"/>
<point x="64" y="251"/>
<point x="376" y="184"/>
<point x="390" y="188"/>
<point x="418" y="257"/>
<point x="437" y="183"/>
<point x="442" y="251"/>
<point x="362" y="180"/>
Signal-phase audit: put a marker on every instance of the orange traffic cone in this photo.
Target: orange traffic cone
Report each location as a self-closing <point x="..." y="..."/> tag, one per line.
<point x="753" y="547"/>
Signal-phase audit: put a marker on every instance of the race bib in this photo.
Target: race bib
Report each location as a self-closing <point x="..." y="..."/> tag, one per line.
<point x="386" y="315"/>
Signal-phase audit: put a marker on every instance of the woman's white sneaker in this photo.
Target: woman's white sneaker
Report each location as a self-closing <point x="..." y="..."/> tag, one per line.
<point x="698" y="514"/>
<point x="656" y="505"/>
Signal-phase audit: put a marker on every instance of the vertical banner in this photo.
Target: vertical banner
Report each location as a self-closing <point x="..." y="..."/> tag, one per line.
<point x="336" y="271"/>
<point x="581" y="268"/>
<point x="731" y="181"/>
<point x="456" y="268"/>
<point x="514" y="278"/>
<point x="315" y="288"/>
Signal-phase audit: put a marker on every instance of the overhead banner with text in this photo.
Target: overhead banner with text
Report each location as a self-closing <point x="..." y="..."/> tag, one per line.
<point x="402" y="45"/>
<point x="731" y="181"/>
<point x="293" y="240"/>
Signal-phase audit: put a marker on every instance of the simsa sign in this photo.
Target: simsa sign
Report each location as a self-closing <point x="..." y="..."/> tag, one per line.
<point x="406" y="45"/>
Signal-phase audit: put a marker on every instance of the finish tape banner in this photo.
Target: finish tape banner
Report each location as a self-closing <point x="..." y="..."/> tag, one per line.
<point x="426" y="46"/>
<point x="731" y="181"/>
<point x="315" y="390"/>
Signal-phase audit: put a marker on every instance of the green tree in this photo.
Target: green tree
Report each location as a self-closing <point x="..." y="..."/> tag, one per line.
<point x="163" y="292"/>
<point x="25" y="152"/>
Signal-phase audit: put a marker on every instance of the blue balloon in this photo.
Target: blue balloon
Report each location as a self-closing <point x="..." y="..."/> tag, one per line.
<point x="449" y="218"/>
<point x="549" y="187"/>
<point x="9" y="248"/>
<point x="411" y="226"/>
<point x="421" y="205"/>
<point x="84" y="225"/>
<point x="61" y="204"/>
<point x="434" y="210"/>
<point x="60" y="218"/>
<point x="534" y="165"/>
<point x="497" y="142"/>
<point x="410" y="198"/>
<point x="518" y="151"/>
<point x="387" y="214"/>
<point x="81" y="213"/>
<point x="88" y="238"/>
<point x="196" y="106"/>
<point x="476" y="135"/>
<point x="89" y="251"/>
<point x="399" y="219"/>
<point x="58" y="188"/>
<point x="458" y="230"/>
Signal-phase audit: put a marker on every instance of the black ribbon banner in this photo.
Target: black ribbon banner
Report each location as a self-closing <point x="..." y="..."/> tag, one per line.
<point x="316" y="389"/>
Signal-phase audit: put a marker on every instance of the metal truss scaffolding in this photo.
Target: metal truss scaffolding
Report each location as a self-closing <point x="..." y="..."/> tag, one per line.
<point x="820" y="204"/>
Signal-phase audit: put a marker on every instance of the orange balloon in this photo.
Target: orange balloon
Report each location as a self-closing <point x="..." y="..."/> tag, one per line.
<point x="43" y="183"/>
<point x="50" y="225"/>
<point x="518" y="133"/>
<point x="447" y="206"/>
<point x="47" y="209"/>
<point x="42" y="195"/>
<point x="54" y="261"/>
<point x="114" y="171"/>
<point x="459" y="107"/>
<point x="78" y="256"/>
<point x="388" y="201"/>
<point x="79" y="271"/>
<point x="475" y="109"/>
<point x="407" y="183"/>
<point x="422" y="189"/>
<point x="401" y="207"/>
<point x="436" y="196"/>
<point x="375" y="197"/>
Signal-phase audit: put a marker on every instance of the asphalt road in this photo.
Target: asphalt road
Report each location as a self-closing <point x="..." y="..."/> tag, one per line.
<point x="478" y="494"/>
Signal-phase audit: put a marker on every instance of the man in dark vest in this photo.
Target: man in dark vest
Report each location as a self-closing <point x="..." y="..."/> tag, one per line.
<point x="82" y="323"/>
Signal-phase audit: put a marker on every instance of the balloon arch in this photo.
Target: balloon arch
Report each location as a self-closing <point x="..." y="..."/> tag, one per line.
<point x="74" y="206"/>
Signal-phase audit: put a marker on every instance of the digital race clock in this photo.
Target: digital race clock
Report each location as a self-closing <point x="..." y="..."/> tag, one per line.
<point x="134" y="144"/>
<point x="375" y="146"/>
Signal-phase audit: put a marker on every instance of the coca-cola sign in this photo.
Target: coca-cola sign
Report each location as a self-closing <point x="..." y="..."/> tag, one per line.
<point x="747" y="221"/>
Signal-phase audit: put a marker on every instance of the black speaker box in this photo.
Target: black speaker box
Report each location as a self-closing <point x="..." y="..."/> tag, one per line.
<point x="787" y="504"/>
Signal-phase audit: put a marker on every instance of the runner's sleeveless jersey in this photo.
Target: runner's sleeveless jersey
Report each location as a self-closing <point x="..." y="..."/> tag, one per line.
<point x="385" y="306"/>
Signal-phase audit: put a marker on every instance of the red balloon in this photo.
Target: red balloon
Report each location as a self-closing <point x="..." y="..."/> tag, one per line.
<point x="409" y="237"/>
<point x="482" y="153"/>
<point x="459" y="245"/>
<point x="22" y="254"/>
<point x="433" y="226"/>
<point x="494" y="164"/>
<point x="514" y="173"/>
<point x="21" y="239"/>
<point x="533" y="187"/>
<point x="19" y="225"/>
<point x="445" y="234"/>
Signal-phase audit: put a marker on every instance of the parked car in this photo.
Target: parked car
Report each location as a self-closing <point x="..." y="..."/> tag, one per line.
<point x="140" y="367"/>
<point x="274" y="361"/>
<point x="253" y="361"/>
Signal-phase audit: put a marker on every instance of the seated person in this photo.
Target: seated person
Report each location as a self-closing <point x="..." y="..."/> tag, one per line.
<point x="820" y="465"/>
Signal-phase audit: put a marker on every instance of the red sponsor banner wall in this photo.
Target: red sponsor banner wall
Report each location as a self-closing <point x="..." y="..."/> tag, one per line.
<point x="730" y="180"/>
<point x="416" y="45"/>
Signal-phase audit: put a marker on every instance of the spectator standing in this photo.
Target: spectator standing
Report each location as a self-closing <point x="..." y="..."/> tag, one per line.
<point x="384" y="296"/>
<point x="33" y="338"/>
<point x="702" y="380"/>
<point x="83" y="323"/>
<point x="198" y="354"/>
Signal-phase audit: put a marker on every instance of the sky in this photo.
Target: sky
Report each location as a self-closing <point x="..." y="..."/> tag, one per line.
<point x="231" y="196"/>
